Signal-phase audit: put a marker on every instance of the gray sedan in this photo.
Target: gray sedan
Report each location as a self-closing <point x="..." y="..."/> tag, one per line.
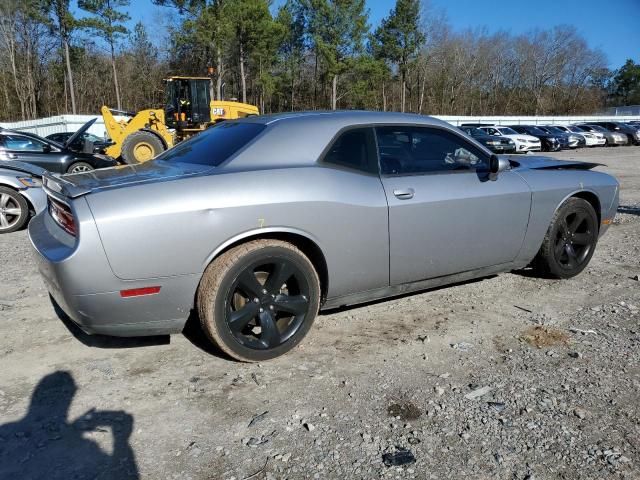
<point x="256" y="224"/>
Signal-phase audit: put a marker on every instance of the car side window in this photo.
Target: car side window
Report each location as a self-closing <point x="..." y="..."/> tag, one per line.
<point x="23" y="144"/>
<point x="416" y="150"/>
<point x="353" y="149"/>
<point x="492" y="131"/>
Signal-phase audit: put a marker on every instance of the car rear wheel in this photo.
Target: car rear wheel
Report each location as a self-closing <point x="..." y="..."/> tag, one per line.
<point x="258" y="300"/>
<point x="79" y="167"/>
<point x="570" y="240"/>
<point x="14" y="210"/>
<point x="140" y="147"/>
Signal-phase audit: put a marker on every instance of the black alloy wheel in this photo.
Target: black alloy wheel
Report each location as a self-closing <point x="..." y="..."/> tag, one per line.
<point x="258" y="300"/>
<point x="570" y="240"/>
<point x="267" y="303"/>
<point x="574" y="240"/>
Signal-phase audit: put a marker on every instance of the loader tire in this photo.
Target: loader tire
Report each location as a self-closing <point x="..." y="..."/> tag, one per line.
<point x="140" y="147"/>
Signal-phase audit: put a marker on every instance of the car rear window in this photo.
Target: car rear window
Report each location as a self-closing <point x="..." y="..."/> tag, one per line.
<point x="214" y="145"/>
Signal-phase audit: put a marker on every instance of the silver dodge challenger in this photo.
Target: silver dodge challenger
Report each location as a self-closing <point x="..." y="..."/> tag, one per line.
<point x="256" y="224"/>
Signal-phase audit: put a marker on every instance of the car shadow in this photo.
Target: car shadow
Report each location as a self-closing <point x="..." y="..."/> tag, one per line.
<point x="531" y="272"/>
<point x="45" y="444"/>
<point x="629" y="210"/>
<point x="105" y="341"/>
<point x="345" y="308"/>
<point x="193" y="332"/>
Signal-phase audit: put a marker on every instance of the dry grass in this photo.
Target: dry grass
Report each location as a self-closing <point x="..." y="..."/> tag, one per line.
<point x="541" y="337"/>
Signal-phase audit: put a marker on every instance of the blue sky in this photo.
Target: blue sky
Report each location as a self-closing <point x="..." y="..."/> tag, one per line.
<point x="612" y="26"/>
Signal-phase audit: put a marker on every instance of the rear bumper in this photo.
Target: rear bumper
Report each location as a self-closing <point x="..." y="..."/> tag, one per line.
<point x="78" y="276"/>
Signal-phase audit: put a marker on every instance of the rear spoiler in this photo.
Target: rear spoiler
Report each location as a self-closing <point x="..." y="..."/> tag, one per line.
<point x="59" y="187"/>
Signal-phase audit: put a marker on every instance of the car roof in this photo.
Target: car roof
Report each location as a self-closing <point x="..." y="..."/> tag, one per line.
<point x="307" y="134"/>
<point x="348" y="117"/>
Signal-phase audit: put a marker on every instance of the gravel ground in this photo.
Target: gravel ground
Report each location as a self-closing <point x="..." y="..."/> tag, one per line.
<point x="510" y="377"/>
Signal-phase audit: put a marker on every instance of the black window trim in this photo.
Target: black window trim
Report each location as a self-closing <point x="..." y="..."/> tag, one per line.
<point x="372" y="151"/>
<point x="483" y="155"/>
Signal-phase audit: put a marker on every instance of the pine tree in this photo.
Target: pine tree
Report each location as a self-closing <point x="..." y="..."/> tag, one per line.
<point x="108" y="22"/>
<point x="398" y="39"/>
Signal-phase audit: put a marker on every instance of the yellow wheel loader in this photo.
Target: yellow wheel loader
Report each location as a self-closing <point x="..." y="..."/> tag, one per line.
<point x="188" y="110"/>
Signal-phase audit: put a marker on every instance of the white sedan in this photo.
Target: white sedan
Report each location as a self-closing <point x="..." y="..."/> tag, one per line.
<point x="592" y="139"/>
<point x="524" y="143"/>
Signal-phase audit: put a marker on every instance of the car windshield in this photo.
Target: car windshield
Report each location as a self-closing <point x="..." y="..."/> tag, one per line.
<point x="214" y="145"/>
<point x="554" y="129"/>
<point x="91" y="137"/>
<point x="598" y="128"/>
<point x="507" y="131"/>
<point x="575" y="129"/>
<point x="474" y="132"/>
<point x="534" y="130"/>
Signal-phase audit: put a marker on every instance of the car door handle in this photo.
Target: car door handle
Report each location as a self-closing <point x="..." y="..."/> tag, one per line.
<point x="12" y="156"/>
<point x="404" y="193"/>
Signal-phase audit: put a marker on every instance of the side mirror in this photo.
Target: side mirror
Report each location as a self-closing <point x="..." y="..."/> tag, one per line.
<point x="497" y="165"/>
<point x="494" y="164"/>
<point x="46" y="148"/>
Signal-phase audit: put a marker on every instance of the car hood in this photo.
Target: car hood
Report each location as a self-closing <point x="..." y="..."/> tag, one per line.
<point x="545" y="163"/>
<point x="75" y="185"/>
<point x="79" y="132"/>
<point x="22" y="167"/>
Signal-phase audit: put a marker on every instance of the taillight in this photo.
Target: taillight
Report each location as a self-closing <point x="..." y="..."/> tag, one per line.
<point x="63" y="216"/>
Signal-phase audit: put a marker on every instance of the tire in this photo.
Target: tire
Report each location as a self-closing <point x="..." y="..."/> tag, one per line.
<point x="141" y="146"/>
<point x="14" y="210"/>
<point x="79" y="167"/>
<point x="570" y="241"/>
<point x="257" y="269"/>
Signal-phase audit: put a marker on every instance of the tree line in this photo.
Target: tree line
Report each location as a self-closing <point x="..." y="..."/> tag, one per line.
<point x="302" y="55"/>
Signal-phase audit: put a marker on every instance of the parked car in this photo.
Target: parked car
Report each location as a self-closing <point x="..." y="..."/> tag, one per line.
<point x="563" y="138"/>
<point x="257" y="223"/>
<point x="574" y="140"/>
<point x="496" y="145"/>
<point x="87" y="142"/>
<point x="524" y="143"/>
<point x="612" y="138"/>
<point x="591" y="139"/>
<point x="52" y="156"/>
<point x="21" y="194"/>
<point x="550" y="143"/>
<point x="633" y="136"/>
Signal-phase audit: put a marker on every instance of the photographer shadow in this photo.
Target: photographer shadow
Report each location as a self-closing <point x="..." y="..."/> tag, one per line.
<point x="44" y="444"/>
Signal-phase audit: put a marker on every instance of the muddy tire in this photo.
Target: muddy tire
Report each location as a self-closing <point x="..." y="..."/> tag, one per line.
<point x="258" y="300"/>
<point x="140" y="147"/>
<point x="570" y="241"/>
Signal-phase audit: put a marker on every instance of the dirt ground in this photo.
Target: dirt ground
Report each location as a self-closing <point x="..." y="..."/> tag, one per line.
<point x="510" y="377"/>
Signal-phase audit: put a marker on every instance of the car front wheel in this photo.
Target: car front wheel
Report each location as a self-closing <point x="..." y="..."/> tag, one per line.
<point x="79" y="167"/>
<point x="258" y="300"/>
<point x="14" y="210"/>
<point x="570" y="240"/>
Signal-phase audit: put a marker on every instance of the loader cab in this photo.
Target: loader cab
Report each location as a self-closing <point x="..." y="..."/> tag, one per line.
<point x="187" y="103"/>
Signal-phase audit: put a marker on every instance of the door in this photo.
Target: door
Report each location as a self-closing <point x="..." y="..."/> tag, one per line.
<point x="445" y="214"/>
<point x="28" y="149"/>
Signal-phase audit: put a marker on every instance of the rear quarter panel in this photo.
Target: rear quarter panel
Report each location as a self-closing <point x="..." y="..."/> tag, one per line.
<point x="551" y="188"/>
<point x="176" y="228"/>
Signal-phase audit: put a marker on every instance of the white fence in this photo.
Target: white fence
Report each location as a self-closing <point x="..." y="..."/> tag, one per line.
<point x="58" y="124"/>
<point x="546" y="120"/>
<point x="70" y="123"/>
